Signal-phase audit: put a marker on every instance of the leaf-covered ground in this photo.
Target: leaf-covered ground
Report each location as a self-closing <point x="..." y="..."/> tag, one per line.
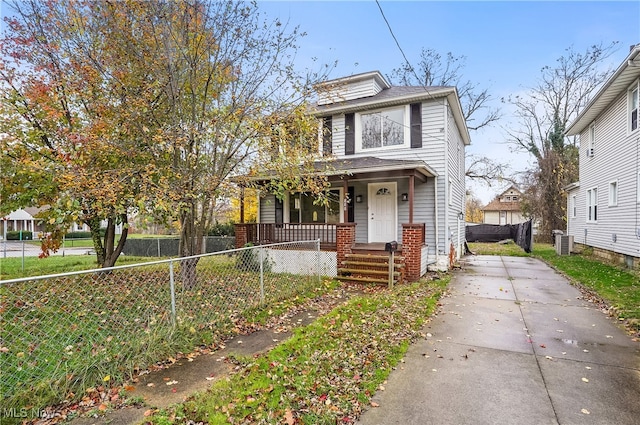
<point x="327" y="372"/>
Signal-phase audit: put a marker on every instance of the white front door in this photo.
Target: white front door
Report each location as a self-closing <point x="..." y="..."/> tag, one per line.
<point x="382" y="212"/>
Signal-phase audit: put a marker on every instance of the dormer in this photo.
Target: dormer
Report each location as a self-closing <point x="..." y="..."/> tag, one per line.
<point x="349" y="88"/>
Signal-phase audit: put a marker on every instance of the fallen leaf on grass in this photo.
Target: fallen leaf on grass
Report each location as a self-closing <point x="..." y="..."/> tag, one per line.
<point x="288" y="417"/>
<point x="171" y="382"/>
<point x="151" y="384"/>
<point x="374" y="404"/>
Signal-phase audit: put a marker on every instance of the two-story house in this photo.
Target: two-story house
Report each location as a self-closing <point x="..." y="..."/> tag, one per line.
<point x="505" y="208"/>
<point x="603" y="207"/>
<point x="397" y="161"/>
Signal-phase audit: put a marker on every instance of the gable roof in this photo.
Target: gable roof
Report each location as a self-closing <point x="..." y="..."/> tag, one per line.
<point x="618" y="83"/>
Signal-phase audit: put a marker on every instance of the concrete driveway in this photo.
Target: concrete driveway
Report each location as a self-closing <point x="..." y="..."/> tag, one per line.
<point x="514" y="343"/>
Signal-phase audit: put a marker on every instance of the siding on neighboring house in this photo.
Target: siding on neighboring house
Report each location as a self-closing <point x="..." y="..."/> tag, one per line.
<point x="615" y="158"/>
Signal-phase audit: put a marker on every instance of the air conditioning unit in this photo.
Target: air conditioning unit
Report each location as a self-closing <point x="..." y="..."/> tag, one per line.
<point x="564" y="244"/>
<point x="590" y="152"/>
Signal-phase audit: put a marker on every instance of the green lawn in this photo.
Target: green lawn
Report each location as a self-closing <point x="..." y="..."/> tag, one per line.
<point x="618" y="288"/>
<point x="12" y="268"/>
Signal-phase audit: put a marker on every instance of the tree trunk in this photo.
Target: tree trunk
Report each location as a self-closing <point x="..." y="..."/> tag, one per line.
<point x="107" y="252"/>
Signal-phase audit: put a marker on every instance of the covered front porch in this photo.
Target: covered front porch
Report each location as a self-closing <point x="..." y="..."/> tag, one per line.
<point x="372" y="202"/>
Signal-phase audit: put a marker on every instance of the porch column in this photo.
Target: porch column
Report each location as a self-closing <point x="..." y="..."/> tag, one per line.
<point x="241" y="234"/>
<point x="412" y="241"/>
<point x="411" y="192"/>
<point x="345" y="238"/>
<point x="345" y="204"/>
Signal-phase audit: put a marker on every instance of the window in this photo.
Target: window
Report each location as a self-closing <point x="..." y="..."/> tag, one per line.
<point x="633" y="106"/>
<point x="574" y="207"/>
<point x="303" y="210"/>
<point x="514" y="198"/>
<point x="382" y="129"/>
<point x="592" y="205"/>
<point x="592" y="140"/>
<point x="613" y="193"/>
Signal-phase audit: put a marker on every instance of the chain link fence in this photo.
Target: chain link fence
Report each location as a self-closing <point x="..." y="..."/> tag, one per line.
<point x="62" y="334"/>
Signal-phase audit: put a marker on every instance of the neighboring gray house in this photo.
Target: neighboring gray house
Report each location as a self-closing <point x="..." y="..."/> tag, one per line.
<point x="603" y="208"/>
<point x="397" y="161"/>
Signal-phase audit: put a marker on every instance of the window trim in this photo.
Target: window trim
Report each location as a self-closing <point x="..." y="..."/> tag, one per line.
<point x="591" y="206"/>
<point x="613" y="194"/>
<point x="573" y="206"/>
<point x="406" y="124"/>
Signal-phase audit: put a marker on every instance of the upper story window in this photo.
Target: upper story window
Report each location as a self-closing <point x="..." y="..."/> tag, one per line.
<point x="633" y="106"/>
<point x="592" y="140"/>
<point x="386" y="128"/>
<point x="613" y="193"/>
<point x="574" y="206"/>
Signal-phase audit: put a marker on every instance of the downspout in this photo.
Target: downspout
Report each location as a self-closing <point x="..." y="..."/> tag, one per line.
<point x="446" y="174"/>
<point x="435" y="195"/>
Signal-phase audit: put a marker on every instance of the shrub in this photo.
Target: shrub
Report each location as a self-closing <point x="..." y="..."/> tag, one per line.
<point x="78" y="235"/>
<point x="248" y="260"/>
<point x="15" y="235"/>
<point x="222" y="229"/>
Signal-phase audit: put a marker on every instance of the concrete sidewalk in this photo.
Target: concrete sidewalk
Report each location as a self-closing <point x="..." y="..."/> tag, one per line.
<point x="514" y="343"/>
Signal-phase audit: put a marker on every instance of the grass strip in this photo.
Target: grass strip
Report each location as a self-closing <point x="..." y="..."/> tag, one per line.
<point x="326" y="372"/>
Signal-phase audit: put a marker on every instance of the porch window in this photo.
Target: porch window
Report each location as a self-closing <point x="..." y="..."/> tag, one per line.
<point x="303" y="210"/>
<point x="383" y="128"/>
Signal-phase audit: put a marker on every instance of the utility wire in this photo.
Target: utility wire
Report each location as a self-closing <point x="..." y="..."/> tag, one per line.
<point x="413" y="71"/>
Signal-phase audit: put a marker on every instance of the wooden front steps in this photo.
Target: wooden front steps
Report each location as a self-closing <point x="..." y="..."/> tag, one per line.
<point x="372" y="267"/>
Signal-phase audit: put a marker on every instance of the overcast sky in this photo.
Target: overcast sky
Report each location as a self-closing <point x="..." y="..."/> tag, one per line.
<point x="506" y="43"/>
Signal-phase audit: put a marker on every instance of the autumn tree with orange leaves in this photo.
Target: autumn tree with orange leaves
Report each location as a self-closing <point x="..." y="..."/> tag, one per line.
<point x="116" y="108"/>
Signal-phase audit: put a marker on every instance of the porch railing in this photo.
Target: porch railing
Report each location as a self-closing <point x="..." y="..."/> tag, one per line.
<point x="261" y="233"/>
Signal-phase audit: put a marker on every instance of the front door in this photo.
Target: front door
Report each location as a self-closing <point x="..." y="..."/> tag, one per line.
<point x="382" y="212"/>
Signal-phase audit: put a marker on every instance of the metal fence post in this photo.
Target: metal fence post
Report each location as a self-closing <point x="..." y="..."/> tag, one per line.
<point x="318" y="257"/>
<point x="261" y="259"/>
<point x="173" y="293"/>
